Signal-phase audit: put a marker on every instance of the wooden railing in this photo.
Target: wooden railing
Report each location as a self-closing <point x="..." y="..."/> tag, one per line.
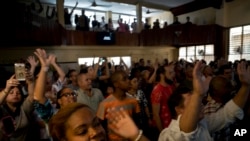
<point x="53" y="34"/>
<point x="180" y="35"/>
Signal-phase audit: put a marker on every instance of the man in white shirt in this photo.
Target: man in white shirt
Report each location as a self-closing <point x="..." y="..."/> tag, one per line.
<point x="188" y="123"/>
<point x="86" y="94"/>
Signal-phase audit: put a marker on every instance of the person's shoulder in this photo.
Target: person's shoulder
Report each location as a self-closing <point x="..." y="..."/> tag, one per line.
<point x="130" y="99"/>
<point x="109" y="98"/>
<point x="96" y="90"/>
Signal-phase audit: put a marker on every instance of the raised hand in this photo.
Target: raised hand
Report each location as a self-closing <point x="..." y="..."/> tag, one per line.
<point x="53" y="59"/>
<point x="122" y="124"/>
<point x="29" y="77"/>
<point x="32" y="61"/>
<point x="200" y="85"/>
<point x="43" y="58"/>
<point x="244" y="73"/>
<point x="12" y="82"/>
<point x="156" y="64"/>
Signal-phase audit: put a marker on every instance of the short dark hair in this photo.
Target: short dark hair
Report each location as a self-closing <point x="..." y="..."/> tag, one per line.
<point x="176" y="99"/>
<point x="69" y="72"/>
<point x="223" y="68"/>
<point x="159" y="71"/>
<point x="58" y="95"/>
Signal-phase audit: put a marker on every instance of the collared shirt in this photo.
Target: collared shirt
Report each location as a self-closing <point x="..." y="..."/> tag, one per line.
<point x="205" y="127"/>
<point x="92" y="101"/>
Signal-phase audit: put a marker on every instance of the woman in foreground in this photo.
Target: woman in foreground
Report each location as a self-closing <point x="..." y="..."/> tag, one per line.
<point x="77" y="122"/>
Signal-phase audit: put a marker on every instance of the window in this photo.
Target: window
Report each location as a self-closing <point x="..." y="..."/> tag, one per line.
<point x="191" y="53"/>
<point x="89" y="60"/>
<point x="239" y="43"/>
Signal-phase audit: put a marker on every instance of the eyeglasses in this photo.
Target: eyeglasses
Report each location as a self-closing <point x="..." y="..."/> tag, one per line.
<point x="69" y="94"/>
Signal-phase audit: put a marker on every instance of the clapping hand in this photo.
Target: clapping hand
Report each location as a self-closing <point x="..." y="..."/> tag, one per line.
<point x="43" y="58"/>
<point x="244" y="73"/>
<point x="122" y="124"/>
<point x="200" y="85"/>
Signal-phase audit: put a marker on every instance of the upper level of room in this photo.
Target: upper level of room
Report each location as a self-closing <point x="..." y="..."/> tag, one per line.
<point x="210" y="26"/>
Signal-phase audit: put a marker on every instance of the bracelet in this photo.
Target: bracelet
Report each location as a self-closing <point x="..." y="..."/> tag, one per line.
<point x="4" y="92"/>
<point x="139" y="135"/>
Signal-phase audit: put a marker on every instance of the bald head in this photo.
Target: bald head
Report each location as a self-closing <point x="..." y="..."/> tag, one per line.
<point x="220" y="88"/>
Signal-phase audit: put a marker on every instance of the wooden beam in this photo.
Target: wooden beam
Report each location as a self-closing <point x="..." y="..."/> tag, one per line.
<point x="195" y="5"/>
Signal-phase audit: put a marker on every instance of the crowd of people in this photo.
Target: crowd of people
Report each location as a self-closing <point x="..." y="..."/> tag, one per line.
<point x="172" y="101"/>
<point x="83" y="23"/>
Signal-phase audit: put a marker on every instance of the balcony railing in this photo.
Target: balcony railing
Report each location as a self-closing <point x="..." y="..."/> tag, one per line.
<point x="54" y="34"/>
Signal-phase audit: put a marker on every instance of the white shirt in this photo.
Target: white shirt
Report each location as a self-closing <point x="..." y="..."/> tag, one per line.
<point x="92" y="101"/>
<point x="209" y="124"/>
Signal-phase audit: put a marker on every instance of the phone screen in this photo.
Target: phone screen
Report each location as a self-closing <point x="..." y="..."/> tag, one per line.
<point x="20" y="71"/>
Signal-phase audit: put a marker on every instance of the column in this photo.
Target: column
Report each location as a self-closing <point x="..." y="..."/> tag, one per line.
<point x="139" y="17"/>
<point x="60" y="11"/>
<point x="108" y="15"/>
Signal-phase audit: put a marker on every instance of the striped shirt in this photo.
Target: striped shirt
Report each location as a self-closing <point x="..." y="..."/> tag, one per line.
<point x="129" y="104"/>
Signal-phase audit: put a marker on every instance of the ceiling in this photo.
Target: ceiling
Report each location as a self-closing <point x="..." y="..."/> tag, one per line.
<point x="125" y="6"/>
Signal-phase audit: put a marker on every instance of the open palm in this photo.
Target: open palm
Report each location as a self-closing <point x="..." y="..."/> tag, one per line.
<point x="122" y="124"/>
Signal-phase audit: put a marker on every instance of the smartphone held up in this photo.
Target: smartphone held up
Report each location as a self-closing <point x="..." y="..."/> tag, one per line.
<point x="20" y="71"/>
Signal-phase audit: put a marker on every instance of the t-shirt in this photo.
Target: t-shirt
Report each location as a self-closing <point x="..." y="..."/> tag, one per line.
<point x="129" y="104"/>
<point x="92" y="101"/>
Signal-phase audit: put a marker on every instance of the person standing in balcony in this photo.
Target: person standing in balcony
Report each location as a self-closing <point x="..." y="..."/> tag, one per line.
<point x="67" y="16"/>
<point x="147" y="24"/>
<point x="83" y="22"/>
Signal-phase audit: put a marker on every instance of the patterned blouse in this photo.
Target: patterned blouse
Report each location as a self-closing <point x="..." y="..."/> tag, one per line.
<point x="143" y="103"/>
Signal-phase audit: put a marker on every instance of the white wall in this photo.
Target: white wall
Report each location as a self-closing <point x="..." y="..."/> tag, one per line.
<point x="233" y="13"/>
<point x="238" y="13"/>
<point x="200" y="17"/>
<point x="72" y="53"/>
<point x="165" y="16"/>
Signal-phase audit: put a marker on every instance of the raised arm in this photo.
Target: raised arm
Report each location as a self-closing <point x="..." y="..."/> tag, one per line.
<point x="153" y="76"/>
<point x="33" y="63"/>
<point x="244" y="76"/>
<point x="107" y="73"/>
<point x="57" y="68"/>
<point x="96" y="67"/>
<point x="12" y="82"/>
<point x="125" y="65"/>
<point x="39" y="93"/>
<point x="112" y="69"/>
<point x="74" y="8"/>
<point x="29" y="76"/>
<point x="191" y="114"/>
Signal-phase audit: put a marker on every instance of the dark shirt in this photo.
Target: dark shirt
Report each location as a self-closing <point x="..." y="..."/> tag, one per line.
<point x="94" y="23"/>
<point x="67" y="20"/>
<point x="147" y="26"/>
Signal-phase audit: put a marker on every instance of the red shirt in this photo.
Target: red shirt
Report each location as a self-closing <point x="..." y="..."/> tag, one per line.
<point x="160" y="95"/>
